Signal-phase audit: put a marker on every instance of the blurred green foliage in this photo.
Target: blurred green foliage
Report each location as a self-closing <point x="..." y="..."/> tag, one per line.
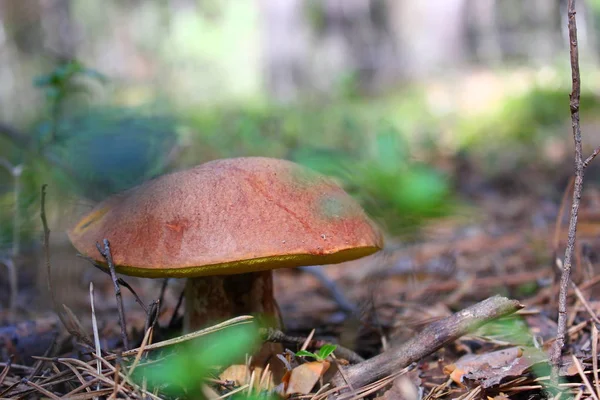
<point x="31" y="181"/>
<point x="514" y="330"/>
<point x="99" y="150"/>
<point x="511" y="135"/>
<point x="60" y="85"/>
<point x="83" y="148"/>
<point x="186" y="368"/>
<point x="366" y="146"/>
<point x="382" y="150"/>
<point x="108" y="150"/>
<point x="526" y="118"/>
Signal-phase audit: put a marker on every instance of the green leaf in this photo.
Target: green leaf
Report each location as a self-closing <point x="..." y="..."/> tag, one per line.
<point x="304" y="353"/>
<point x="326" y="351"/>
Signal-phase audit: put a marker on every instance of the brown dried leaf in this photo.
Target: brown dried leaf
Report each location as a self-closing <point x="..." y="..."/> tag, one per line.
<point x="490" y="369"/>
<point x="304" y="377"/>
<point x="240" y="375"/>
<point x="237" y="373"/>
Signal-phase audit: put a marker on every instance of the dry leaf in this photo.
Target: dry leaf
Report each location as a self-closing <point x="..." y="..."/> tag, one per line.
<point x="240" y="375"/>
<point x="490" y="368"/>
<point x="304" y="377"/>
<point x="237" y="373"/>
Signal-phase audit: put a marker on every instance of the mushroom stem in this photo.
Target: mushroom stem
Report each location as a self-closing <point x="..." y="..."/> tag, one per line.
<point x="212" y="299"/>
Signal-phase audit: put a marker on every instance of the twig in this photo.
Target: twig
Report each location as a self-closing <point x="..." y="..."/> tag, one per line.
<point x="595" y="358"/>
<point x="163" y="289"/>
<point x="47" y="258"/>
<point x="96" y="335"/>
<point x="430" y="339"/>
<point x="154" y="309"/>
<point x="591" y="157"/>
<point x="121" y="281"/>
<point x="584" y="378"/>
<point x="5" y="371"/>
<point x="111" y="266"/>
<point x="41" y="389"/>
<point x="152" y="316"/>
<point x="176" y="311"/>
<point x="580" y="165"/>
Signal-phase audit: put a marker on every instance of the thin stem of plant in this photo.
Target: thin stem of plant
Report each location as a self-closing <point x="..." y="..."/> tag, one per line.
<point x="106" y="253"/>
<point x="580" y="165"/>
<point x="47" y="257"/>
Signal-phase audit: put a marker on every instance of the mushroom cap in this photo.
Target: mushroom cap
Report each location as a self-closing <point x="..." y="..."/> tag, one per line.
<point x="228" y="216"/>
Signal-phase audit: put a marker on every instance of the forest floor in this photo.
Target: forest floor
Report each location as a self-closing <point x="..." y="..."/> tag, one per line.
<point x="509" y="239"/>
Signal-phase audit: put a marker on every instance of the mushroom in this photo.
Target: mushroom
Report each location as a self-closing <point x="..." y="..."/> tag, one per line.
<point x="225" y="225"/>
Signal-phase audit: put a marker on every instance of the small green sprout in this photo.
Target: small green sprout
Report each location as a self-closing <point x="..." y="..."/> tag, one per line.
<point x="320" y="355"/>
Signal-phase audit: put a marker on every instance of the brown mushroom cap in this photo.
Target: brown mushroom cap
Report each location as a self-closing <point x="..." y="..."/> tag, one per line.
<point x="226" y="217"/>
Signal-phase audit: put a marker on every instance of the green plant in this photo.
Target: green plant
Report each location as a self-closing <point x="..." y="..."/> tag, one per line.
<point x="522" y="123"/>
<point x="366" y="146"/>
<point x="189" y="365"/>
<point x="320" y="355"/>
<point x="401" y="194"/>
<point x="58" y="86"/>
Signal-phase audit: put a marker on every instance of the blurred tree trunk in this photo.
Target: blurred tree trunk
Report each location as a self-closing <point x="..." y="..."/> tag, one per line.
<point x="326" y="46"/>
<point x="431" y="35"/>
<point x="21" y="21"/>
<point x="60" y="36"/>
<point x="20" y="40"/>
<point x="336" y="46"/>
<point x="285" y="47"/>
<point x="342" y="46"/>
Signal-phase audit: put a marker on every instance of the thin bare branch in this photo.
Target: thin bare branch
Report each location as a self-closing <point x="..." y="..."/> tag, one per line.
<point x="430" y="339"/>
<point x="575" y="95"/>
<point x="591" y="157"/>
<point x="106" y="253"/>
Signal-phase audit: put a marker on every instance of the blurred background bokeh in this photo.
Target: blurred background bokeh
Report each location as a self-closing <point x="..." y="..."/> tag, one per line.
<point x="416" y="107"/>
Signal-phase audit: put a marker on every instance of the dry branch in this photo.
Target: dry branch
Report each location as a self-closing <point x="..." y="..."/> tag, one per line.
<point x="106" y="253"/>
<point x="432" y="338"/>
<point x="580" y="165"/>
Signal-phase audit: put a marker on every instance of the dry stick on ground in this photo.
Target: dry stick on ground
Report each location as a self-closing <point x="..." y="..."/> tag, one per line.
<point x="111" y="266"/>
<point x="429" y="340"/>
<point x="580" y="165"/>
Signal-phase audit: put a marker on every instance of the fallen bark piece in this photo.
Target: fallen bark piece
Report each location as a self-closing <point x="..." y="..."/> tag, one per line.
<point x="432" y="338"/>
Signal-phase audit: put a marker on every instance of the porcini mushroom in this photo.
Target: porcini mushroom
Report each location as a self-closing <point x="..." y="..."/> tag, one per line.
<point x="225" y="225"/>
